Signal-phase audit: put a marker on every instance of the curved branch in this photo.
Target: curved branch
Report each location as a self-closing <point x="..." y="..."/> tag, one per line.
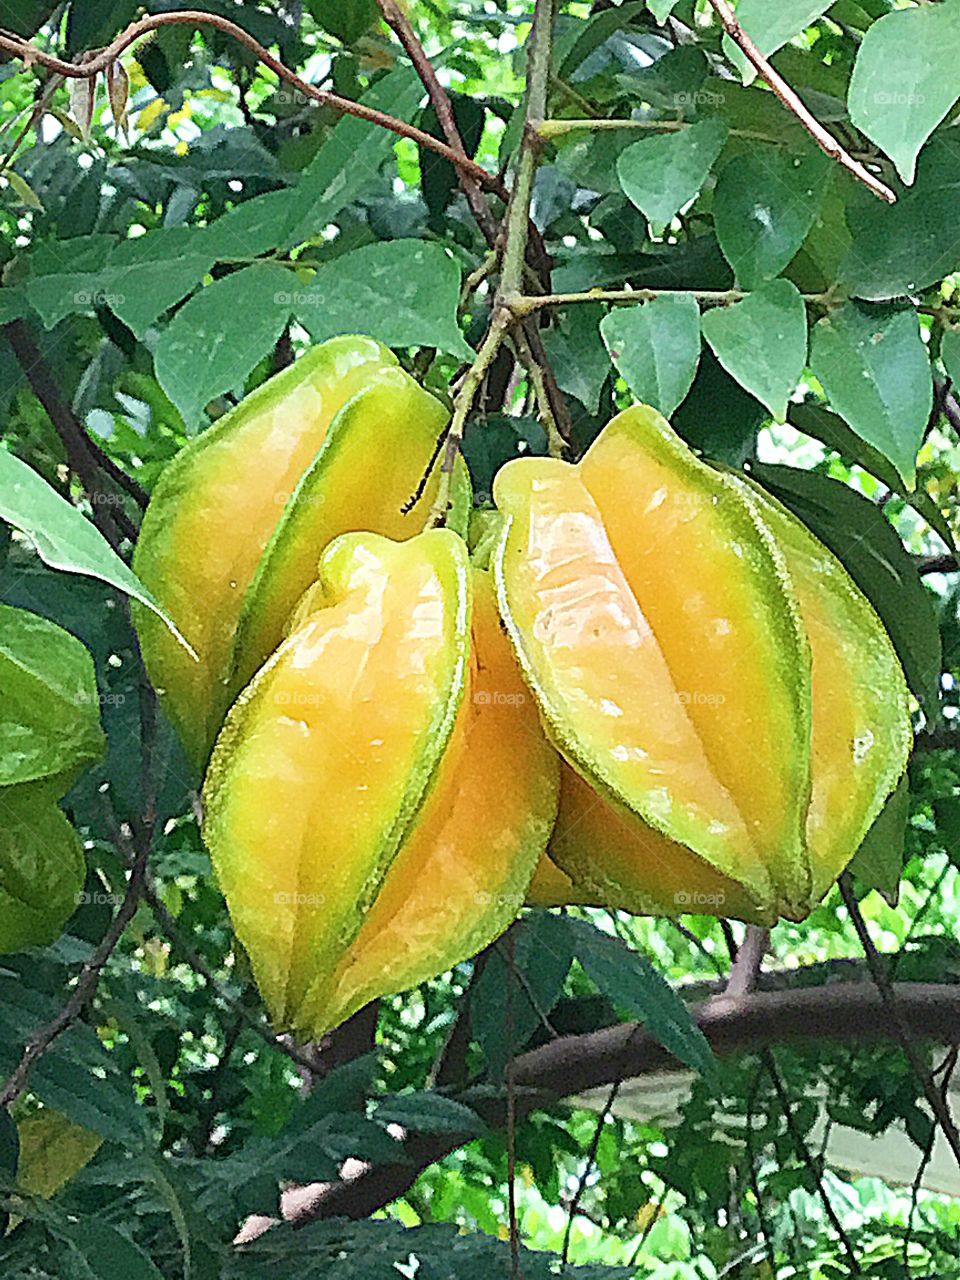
<point x="794" y="103"/>
<point x="571" y="1065"/>
<point x="30" y="55"/>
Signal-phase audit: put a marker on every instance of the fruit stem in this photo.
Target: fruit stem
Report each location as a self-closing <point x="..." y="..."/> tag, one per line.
<point x="502" y="317"/>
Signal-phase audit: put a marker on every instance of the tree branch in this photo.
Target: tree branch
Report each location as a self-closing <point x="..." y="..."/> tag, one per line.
<point x="574" y="1064"/>
<point x="81" y="458"/>
<point x="793" y="102"/>
<point x="901" y="1028"/>
<point x="31" y="55"/>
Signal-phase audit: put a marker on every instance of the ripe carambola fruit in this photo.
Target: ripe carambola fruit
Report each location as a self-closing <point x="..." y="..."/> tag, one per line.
<point x="363" y="810"/>
<point x="461" y="876"/>
<point x="42" y="867"/>
<point x="732" y="707"/>
<point x="337" y="442"/>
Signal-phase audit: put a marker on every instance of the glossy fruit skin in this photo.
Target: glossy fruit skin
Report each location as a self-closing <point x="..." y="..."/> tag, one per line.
<point x="364" y="477"/>
<point x="461" y="876"/>
<point x="326" y="759"/>
<point x="212" y="514"/>
<point x="727" y="809"/>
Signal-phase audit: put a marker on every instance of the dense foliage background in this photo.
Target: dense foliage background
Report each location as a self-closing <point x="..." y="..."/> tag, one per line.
<point x="164" y="252"/>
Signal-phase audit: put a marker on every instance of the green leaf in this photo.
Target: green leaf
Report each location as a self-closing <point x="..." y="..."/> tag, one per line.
<point x="428" y="1112"/>
<point x="830" y="429"/>
<point x="660" y="175"/>
<point x="630" y="981"/>
<point x="904" y="80"/>
<point x="49" y="705"/>
<point x="403" y="292"/>
<point x="104" y="1252"/>
<point x="9" y="1158"/>
<point x="947" y="813"/>
<point x="656" y="348"/>
<point x="42" y="869"/>
<point x="62" y="535"/>
<point x="770" y="26"/>
<point x="348" y="20"/>
<point x="661" y="9"/>
<point x="765" y="203"/>
<point x="878" y="863"/>
<point x="762" y="342"/>
<point x="876" y="373"/>
<point x="521" y="982"/>
<point x="859" y="534"/>
<point x="53" y="1150"/>
<point x="147" y="275"/>
<point x="216" y="339"/>
<point x="577" y="353"/>
<point x="950" y="354"/>
<point x="351" y="157"/>
<point x="901" y="248"/>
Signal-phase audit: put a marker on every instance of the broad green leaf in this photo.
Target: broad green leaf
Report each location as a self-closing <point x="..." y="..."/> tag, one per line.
<point x="859" y="534"/>
<point x="403" y="292"/>
<point x="947" y="813"/>
<point x="661" y="9"/>
<point x="765" y="203"/>
<point x="577" y="353"/>
<point x="427" y="1112"/>
<point x="904" y="247"/>
<point x="42" y="869"/>
<point x="904" y="80"/>
<point x="878" y="863"/>
<point x="762" y="342"/>
<point x="718" y="417"/>
<point x="661" y="174"/>
<point x="770" y="26"/>
<point x="630" y="981"/>
<point x="521" y="982"/>
<point x="215" y="339"/>
<point x="875" y="370"/>
<point x="52" y="1150"/>
<point x="830" y="429"/>
<point x="63" y="536"/>
<point x="345" y="19"/>
<point x="950" y="354"/>
<point x="149" y="274"/>
<point x="13" y="304"/>
<point x="49" y="704"/>
<point x="9" y="1157"/>
<point x="104" y="1252"/>
<point x="656" y="348"/>
<point x="351" y="157"/>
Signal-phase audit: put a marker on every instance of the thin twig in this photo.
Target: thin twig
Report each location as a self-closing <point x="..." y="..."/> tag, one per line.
<point x="88" y="981"/>
<point x="108" y="516"/>
<point x="31" y="55"/>
<point x="587" y="1169"/>
<point x="523" y="305"/>
<point x="745" y="969"/>
<point x="793" y="102"/>
<point x="881" y="978"/>
<point x="803" y="1151"/>
<point x="947" y="1067"/>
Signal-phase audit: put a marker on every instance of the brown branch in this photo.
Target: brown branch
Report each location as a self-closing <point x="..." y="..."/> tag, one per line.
<point x="901" y="1028"/>
<point x="108" y="516"/>
<point x="535" y="355"/>
<point x="86" y="986"/>
<point x="31" y="55"/>
<point x="745" y="969"/>
<point x="573" y="1064"/>
<point x="938" y="564"/>
<point x="793" y="102"/>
